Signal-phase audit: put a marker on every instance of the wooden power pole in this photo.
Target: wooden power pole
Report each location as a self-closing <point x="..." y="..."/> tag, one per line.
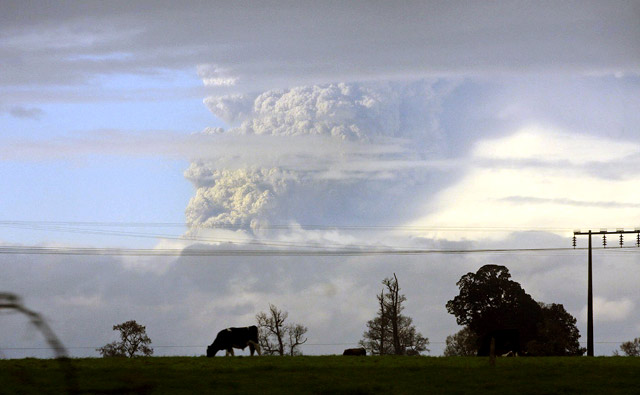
<point x="604" y="233"/>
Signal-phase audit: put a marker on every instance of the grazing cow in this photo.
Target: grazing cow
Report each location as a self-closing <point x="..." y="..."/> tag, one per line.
<point x="231" y="338"/>
<point x="510" y="354"/>
<point x="358" y="352"/>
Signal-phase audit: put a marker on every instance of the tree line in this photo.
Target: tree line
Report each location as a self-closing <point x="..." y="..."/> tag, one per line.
<point x="496" y="314"/>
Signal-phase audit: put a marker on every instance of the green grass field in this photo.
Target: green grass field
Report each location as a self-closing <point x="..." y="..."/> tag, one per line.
<point x="327" y="375"/>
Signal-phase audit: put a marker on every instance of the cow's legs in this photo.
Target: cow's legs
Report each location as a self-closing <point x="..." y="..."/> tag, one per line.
<point x="230" y="351"/>
<point x="253" y="346"/>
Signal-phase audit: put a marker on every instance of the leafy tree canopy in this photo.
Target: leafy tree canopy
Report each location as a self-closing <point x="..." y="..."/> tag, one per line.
<point x="490" y="302"/>
<point x="557" y="333"/>
<point x="461" y="344"/>
<point x="630" y="348"/>
<point x="133" y="341"/>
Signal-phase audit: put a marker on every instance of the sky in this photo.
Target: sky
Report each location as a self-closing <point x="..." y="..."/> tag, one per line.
<point x="311" y="126"/>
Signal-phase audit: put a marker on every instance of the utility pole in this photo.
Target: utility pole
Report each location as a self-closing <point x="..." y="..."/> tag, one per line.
<point x="604" y="233"/>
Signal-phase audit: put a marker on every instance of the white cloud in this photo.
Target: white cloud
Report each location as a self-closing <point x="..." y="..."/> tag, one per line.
<point x="215" y="76"/>
<point x="79" y="36"/>
<point x="549" y="145"/>
<point x="230" y="149"/>
<point x="231" y="108"/>
<point x="605" y="310"/>
<point x="524" y="181"/>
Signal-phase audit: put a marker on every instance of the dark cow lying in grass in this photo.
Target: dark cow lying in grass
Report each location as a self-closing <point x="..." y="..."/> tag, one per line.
<point x="231" y="338"/>
<point x="355" y="351"/>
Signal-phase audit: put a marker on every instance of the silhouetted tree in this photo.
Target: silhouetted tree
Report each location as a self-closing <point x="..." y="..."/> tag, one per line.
<point x="295" y="334"/>
<point x="411" y="341"/>
<point x="489" y="301"/>
<point x="557" y="333"/>
<point x="492" y="305"/>
<point x="377" y="332"/>
<point x="461" y="344"/>
<point x="277" y="338"/>
<point x="133" y="342"/>
<point x="391" y="332"/>
<point x="630" y="348"/>
<point x="112" y="349"/>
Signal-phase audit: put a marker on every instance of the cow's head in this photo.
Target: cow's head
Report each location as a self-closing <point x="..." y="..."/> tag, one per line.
<point x="211" y="351"/>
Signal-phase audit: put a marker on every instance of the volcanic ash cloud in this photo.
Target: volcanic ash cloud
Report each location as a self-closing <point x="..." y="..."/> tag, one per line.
<point x="349" y="114"/>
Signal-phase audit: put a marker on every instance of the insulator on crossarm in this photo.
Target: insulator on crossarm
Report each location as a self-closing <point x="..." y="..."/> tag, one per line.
<point x="621" y="242"/>
<point x="604" y="241"/>
<point x="574" y="240"/>
<point x="638" y="240"/>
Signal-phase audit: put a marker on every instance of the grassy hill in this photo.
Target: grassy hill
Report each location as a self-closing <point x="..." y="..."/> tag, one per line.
<point x="326" y="375"/>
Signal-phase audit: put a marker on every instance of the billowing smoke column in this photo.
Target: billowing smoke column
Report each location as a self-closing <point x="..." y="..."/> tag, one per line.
<point x="347" y="111"/>
<point x="233" y="198"/>
<point x="362" y="113"/>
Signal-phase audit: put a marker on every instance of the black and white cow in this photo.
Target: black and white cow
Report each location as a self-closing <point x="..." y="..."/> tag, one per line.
<point x="231" y="338"/>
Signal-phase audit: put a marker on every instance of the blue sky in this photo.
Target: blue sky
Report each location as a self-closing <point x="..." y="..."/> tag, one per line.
<point x="244" y="123"/>
<point x="107" y="188"/>
<point x="103" y="189"/>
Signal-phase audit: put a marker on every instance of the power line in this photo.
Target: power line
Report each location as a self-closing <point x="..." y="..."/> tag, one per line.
<point x="81" y="227"/>
<point x="38" y="250"/>
<point x="264" y="243"/>
<point x="52" y="226"/>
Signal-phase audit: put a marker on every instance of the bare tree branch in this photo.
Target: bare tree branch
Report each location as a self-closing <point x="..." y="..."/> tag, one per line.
<point x="296" y="333"/>
<point x="275" y="337"/>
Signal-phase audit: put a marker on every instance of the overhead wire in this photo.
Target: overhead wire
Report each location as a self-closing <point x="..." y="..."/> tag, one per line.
<point x="263" y="247"/>
<point x="81" y="227"/>
<point x="90" y="251"/>
<point x="267" y="243"/>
